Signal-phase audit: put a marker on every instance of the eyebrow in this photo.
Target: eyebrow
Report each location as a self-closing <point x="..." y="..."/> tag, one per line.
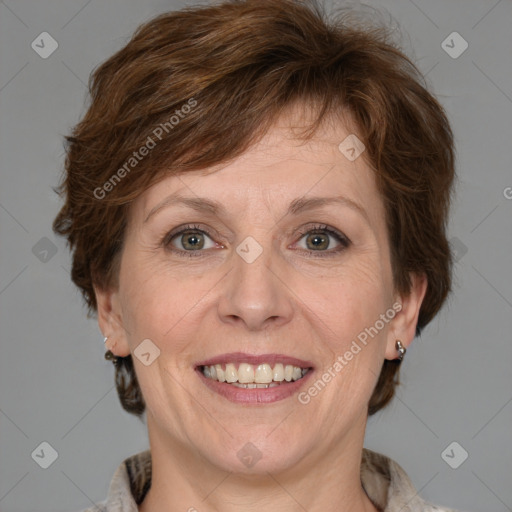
<point x="299" y="205"/>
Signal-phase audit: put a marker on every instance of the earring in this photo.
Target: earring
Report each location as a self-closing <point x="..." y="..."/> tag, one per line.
<point x="401" y="349"/>
<point x="109" y="355"/>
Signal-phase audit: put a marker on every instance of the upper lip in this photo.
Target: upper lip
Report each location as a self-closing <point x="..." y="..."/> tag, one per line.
<point x="241" y="357"/>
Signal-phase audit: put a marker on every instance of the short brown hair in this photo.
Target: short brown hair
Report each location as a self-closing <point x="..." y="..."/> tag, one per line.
<point x="240" y="63"/>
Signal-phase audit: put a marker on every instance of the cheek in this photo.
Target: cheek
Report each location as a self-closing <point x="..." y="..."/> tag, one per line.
<point x="145" y="293"/>
<point x="346" y="311"/>
<point x="161" y="305"/>
<point x="349" y="300"/>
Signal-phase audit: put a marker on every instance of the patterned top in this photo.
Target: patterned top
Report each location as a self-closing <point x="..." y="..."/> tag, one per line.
<point x="384" y="481"/>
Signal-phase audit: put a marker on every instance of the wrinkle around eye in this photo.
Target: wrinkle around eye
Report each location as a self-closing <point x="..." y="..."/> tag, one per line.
<point x="166" y="232"/>
<point x="169" y="240"/>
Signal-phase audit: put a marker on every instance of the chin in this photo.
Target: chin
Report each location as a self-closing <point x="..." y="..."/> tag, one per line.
<point x="258" y="454"/>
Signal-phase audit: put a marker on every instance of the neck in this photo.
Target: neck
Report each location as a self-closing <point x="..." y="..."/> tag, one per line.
<point x="324" y="481"/>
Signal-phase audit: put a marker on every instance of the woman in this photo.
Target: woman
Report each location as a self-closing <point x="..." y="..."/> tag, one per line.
<point x="256" y="200"/>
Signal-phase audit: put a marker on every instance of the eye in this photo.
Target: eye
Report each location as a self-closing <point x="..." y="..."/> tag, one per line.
<point x="189" y="239"/>
<point x="321" y="238"/>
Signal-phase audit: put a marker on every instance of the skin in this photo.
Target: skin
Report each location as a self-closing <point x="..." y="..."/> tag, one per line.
<point x="290" y="300"/>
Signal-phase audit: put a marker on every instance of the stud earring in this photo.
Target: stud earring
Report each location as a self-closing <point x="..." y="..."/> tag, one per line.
<point x="401" y="350"/>
<point x="109" y="355"/>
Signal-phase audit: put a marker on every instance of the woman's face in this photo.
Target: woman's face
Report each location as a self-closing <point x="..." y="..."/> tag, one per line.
<point x="279" y="258"/>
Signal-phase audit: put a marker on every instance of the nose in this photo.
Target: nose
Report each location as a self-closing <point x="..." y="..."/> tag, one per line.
<point x="255" y="295"/>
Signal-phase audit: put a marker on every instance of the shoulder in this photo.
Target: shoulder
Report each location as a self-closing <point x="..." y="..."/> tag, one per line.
<point x="128" y="486"/>
<point x="388" y="486"/>
<point x="99" y="507"/>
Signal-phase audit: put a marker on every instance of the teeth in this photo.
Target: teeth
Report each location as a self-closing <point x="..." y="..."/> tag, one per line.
<point x="263" y="374"/>
<point x="278" y="375"/>
<point x="250" y="377"/>
<point x="246" y="373"/>
<point x="296" y="375"/>
<point x="220" y="373"/>
<point x="253" y="386"/>
<point x="230" y="373"/>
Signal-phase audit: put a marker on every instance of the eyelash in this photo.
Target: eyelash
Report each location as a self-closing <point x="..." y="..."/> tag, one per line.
<point x="342" y="239"/>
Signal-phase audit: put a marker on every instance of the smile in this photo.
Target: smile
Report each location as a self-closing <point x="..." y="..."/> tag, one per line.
<point x="245" y="375"/>
<point x="243" y="378"/>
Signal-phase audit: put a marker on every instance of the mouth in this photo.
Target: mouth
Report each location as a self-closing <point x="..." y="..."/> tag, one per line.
<point x="245" y="378"/>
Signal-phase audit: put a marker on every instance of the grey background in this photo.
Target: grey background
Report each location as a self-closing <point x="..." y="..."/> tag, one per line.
<point x="55" y="385"/>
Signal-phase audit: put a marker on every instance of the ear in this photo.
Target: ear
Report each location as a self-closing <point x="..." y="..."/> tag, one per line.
<point x="403" y="325"/>
<point x="110" y="320"/>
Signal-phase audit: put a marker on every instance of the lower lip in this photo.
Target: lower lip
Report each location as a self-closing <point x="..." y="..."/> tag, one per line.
<point x="255" y="395"/>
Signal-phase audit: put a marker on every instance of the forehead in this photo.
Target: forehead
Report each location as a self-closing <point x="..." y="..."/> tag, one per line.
<point x="278" y="169"/>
